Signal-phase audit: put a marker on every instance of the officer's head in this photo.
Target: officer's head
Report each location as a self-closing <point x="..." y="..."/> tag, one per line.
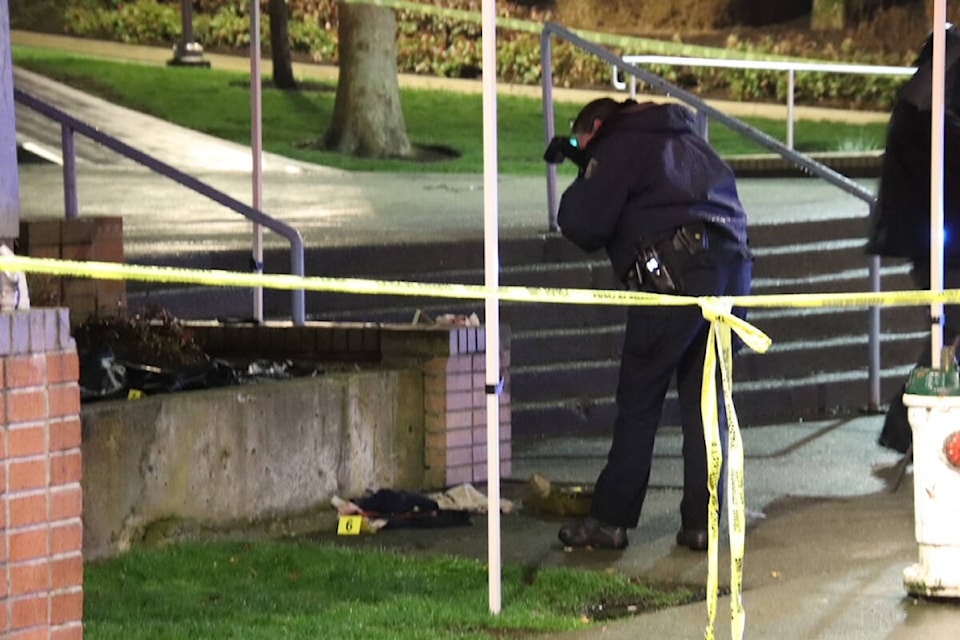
<point x="591" y="117"/>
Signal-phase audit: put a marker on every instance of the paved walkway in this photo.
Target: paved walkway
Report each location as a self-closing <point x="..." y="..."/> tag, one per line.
<point x="828" y="538"/>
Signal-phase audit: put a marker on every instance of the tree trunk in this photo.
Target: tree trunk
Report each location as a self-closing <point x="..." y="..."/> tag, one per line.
<point x="367" y="117"/>
<point x="828" y="15"/>
<point x="280" y="45"/>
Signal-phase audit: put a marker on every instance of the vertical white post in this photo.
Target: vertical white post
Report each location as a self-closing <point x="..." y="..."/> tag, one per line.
<point x="936" y="176"/>
<point x="491" y="258"/>
<point x="791" y="101"/>
<point x="256" y="131"/>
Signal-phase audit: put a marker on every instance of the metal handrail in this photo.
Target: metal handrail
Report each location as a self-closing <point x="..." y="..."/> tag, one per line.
<point x="704" y="109"/>
<point x="70" y="125"/>
<point x="791" y="67"/>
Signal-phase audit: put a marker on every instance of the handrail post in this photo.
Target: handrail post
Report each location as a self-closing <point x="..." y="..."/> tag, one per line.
<point x="702" y="123"/>
<point x="297" y="268"/>
<point x="791" y="88"/>
<point x="68" y="150"/>
<point x="71" y="125"/>
<point x="873" y="341"/>
<point x="546" y="75"/>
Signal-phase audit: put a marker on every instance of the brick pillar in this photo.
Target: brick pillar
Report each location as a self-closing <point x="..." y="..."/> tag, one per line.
<point x="97" y="238"/>
<point x="41" y="534"/>
<point x="455" y="407"/>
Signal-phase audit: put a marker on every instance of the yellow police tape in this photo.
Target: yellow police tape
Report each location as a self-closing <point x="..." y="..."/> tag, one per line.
<point x="719" y="350"/>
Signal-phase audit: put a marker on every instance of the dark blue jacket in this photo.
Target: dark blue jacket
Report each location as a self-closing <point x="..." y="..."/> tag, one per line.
<point x="647" y="171"/>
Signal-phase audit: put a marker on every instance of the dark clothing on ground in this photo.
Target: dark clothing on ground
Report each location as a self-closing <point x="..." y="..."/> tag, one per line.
<point x="647" y="172"/>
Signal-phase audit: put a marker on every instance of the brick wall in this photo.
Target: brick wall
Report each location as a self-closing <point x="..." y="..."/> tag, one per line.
<point x="41" y="534"/>
<point x="455" y="408"/>
<point x="98" y="239"/>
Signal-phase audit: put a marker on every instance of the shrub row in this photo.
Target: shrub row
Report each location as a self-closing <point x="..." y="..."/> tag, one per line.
<point x="434" y="45"/>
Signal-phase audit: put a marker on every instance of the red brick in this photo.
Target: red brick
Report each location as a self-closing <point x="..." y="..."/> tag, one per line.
<point x="460" y="364"/>
<point x="65" y="468"/>
<point x="67" y="607"/>
<point x="28" y="510"/>
<point x="76" y="252"/>
<point x="33" y="633"/>
<point x="4" y="623"/>
<point x="29" y="578"/>
<point x="64" y="400"/>
<point x="65" y="434"/>
<point x="32" y="611"/>
<point x="27" y="474"/>
<point x="460" y="382"/>
<point x="459" y="419"/>
<point x="26" y="406"/>
<point x="29" y="441"/>
<point x="459" y="400"/>
<point x="63" y="366"/>
<point x="36" y="234"/>
<point x="460" y="456"/>
<point x="68" y="571"/>
<point x="435" y="422"/>
<point x="458" y="438"/>
<point x="66" y="538"/>
<point x="70" y="631"/>
<point x="31" y="544"/>
<point x="25" y="371"/>
<point x="67" y="503"/>
<point x="435" y="367"/>
<point x="459" y="475"/>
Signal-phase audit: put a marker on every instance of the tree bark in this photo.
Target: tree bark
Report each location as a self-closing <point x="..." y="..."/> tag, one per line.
<point x="280" y="45"/>
<point x="828" y="15"/>
<point x="367" y="116"/>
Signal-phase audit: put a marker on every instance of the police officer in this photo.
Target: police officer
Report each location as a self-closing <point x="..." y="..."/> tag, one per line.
<point x="664" y="206"/>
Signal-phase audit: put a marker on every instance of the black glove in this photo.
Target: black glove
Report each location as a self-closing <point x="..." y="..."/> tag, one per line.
<point x="562" y="147"/>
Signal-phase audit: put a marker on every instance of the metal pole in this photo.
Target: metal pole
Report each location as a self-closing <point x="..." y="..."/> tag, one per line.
<point x="546" y="82"/>
<point x="873" y="340"/>
<point x="491" y="258"/>
<point x="936" y="176"/>
<point x="68" y="151"/>
<point x="256" y="131"/>
<point x="187" y="52"/>
<point x="791" y="88"/>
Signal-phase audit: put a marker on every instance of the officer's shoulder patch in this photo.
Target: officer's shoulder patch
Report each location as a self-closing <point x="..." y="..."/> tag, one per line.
<point x="591" y="167"/>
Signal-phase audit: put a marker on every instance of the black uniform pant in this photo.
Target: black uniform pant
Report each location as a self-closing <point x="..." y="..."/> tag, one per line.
<point x="662" y="342"/>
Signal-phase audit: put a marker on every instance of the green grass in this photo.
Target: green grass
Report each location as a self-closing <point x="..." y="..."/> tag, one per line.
<point x="304" y="590"/>
<point x="218" y="102"/>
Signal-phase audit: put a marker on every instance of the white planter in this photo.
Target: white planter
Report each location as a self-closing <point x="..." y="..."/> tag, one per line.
<point x="934" y="419"/>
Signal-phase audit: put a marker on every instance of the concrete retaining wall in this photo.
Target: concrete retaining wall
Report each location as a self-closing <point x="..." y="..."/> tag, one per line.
<point x="221" y="459"/>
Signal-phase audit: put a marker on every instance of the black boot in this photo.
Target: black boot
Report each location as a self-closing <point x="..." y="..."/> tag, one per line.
<point x="590" y="532"/>
<point x="693" y="539"/>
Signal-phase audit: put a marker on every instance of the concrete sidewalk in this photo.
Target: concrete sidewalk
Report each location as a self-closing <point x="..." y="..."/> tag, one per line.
<point x="830" y="531"/>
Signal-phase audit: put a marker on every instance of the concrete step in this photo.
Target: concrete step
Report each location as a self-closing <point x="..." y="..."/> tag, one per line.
<point x="565" y="358"/>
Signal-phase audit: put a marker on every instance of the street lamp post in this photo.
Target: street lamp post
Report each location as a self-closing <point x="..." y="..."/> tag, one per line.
<point x="187" y="52"/>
